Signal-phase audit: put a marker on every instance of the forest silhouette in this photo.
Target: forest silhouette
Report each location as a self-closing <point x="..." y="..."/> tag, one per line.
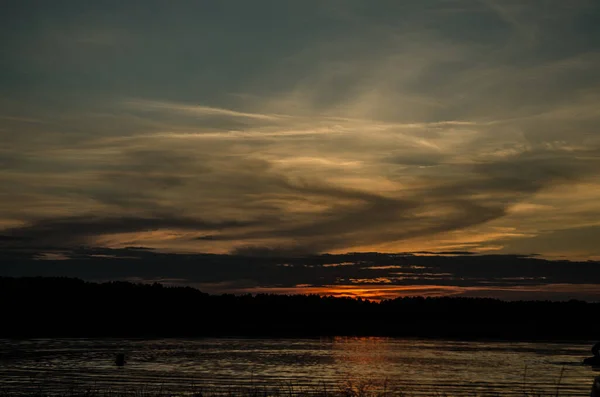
<point x="69" y="307"/>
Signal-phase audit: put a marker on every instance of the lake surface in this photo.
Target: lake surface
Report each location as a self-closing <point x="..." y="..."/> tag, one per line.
<point x="418" y="367"/>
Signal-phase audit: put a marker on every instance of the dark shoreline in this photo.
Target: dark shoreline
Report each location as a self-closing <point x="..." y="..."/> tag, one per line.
<point x="71" y="308"/>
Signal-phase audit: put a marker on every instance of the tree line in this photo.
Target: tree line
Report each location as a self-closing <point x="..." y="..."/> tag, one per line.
<point x="69" y="307"/>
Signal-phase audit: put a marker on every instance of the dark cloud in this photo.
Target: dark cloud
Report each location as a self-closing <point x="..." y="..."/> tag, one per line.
<point x="11" y="239"/>
<point x="79" y="229"/>
<point x="491" y="273"/>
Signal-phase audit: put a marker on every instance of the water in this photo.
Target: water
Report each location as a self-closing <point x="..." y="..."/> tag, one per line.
<point x="419" y="367"/>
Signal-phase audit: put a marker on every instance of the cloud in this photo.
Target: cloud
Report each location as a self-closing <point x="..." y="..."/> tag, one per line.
<point x="362" y="274"/>
<point x="444" y="126"/>
<point x="277" y="204"/>
<point x="197" y="110"/>
<point x="81" y="229"/>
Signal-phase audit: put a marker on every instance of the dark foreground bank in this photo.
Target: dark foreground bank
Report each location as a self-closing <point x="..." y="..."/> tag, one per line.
<point x="361" y="389"/>
<point x="64" y="307"/>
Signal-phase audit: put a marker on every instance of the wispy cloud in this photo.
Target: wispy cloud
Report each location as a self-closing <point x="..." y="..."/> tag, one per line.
<point x="456" y="126"/>
<point x="197" y="110"/>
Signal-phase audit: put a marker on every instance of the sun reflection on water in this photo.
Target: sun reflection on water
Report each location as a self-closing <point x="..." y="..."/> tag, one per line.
<point x="415" y="366"/>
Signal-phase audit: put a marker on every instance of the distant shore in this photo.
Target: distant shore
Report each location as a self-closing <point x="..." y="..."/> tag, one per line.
<point x="66" y="307"/>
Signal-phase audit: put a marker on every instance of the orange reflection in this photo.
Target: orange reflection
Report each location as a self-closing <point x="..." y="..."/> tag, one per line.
<point x="360" y="358"/>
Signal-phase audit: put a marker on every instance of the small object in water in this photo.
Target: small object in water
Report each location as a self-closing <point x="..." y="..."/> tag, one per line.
<point x="595" y="360"/>
<point x="596" y="387"/>
<point x="596" y="349"/>
<point x="120" y="359"/>
<point x="592" y="361"/>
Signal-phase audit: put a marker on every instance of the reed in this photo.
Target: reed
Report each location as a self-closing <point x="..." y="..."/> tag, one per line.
<point x="348" y="389"/>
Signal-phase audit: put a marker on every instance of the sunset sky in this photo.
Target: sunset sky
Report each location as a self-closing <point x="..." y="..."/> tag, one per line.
<point x="262" y="128"/>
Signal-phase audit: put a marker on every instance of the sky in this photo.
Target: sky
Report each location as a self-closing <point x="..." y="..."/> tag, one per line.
<point x="298" y="128"/>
